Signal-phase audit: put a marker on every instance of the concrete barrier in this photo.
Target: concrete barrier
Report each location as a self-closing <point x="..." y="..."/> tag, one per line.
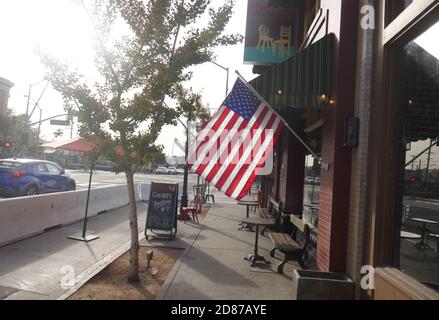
<point x="27" y="216"/>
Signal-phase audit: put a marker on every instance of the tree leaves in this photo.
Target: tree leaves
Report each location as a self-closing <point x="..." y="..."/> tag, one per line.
<point x="139" y="70"/>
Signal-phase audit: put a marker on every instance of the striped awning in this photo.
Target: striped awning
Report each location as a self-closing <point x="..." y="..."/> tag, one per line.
<point x="301" y="81"/>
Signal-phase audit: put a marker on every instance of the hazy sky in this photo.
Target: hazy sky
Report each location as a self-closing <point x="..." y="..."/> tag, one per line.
<point x="63" y="28"/>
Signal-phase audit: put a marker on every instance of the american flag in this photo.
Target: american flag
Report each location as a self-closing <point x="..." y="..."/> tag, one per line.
<point x="233" y="146"/>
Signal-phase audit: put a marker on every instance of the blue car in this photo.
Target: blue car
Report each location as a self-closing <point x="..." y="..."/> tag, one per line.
<point x="27" y="177"/>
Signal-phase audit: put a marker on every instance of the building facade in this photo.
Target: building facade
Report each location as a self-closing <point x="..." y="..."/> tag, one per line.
<point x="5" y="86"/>
<point x="362" y="91"/>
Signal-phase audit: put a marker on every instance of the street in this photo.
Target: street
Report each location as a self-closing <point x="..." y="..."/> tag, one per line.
<point x="105" y="178"/>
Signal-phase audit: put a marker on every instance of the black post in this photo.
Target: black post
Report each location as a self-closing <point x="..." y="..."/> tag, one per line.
<point x="227" y="82"/>
<point x="428" y="165"/>
<point x="84" y="228"/>
<point x="184" y="197"/>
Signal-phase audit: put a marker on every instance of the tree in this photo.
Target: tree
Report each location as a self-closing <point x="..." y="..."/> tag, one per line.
<point x="190" y="104"/>
<point x="13" y="128"/>
<point x="139" y="70"/>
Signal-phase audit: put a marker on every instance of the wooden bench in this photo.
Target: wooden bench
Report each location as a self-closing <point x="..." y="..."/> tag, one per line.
<point x="273" y="212"/>
<point x="294" y="245"/>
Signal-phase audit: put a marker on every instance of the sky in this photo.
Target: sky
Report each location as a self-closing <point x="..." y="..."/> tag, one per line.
<point x="63" y="28"/>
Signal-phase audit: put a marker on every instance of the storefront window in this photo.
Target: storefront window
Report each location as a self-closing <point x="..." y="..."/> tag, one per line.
<point x="419" y="181"/>
<point x="311" y="191"/>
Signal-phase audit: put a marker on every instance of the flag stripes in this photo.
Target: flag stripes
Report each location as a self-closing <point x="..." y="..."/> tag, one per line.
<point x="233" y="147"/>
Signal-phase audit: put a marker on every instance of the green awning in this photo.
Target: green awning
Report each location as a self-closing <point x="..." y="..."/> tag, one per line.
<point x="301" y="81"/>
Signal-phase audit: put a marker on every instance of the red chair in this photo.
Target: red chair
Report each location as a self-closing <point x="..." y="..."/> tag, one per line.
<point x="193" y="209"/>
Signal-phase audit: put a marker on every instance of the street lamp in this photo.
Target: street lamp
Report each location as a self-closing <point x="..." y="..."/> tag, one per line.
<point x="225" y="69"/>
<point x="29" y="95"/>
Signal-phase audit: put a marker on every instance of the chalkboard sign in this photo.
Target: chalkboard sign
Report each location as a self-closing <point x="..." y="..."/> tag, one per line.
<point x="162" y="208"/>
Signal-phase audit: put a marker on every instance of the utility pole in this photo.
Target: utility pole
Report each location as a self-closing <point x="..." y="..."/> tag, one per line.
<point x="28" y="102"/>
<point x="24" y="131"/>
<point x="39" y="125"/>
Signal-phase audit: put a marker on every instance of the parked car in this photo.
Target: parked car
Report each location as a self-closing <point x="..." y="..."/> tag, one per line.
<point x="103" y="165"/>
<point x="77" y="166"/>
<point x="309" y="180"/>
<point x="26" y="177"/>
<point x="317" y="180"/>
<point x="180" y="171"/>
<point x="171" y="170"/>
<point x="160" y="170"/>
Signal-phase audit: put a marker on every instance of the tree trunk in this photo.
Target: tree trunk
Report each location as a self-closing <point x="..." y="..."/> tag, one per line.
<point x="134" y="250"/>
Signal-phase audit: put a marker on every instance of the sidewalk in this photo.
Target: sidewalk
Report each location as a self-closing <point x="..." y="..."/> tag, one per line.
<point x="33" y="268"/>
<point x="211" y="267"/>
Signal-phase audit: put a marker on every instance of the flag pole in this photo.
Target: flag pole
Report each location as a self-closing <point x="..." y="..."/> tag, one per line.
<point x="277" y="113"/>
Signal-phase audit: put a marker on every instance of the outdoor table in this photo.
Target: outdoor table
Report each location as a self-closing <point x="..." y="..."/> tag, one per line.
<point x="248" y="204"/>
<point x="410" y="235"/>
<point x="422" y="244"/>
<point x="258" y="222"/>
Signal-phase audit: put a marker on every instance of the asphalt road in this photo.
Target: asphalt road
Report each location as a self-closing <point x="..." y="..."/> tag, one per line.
<point x="104" y="178"/>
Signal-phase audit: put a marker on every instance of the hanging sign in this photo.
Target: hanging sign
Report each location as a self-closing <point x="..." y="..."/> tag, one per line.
<point x="270" y="33"/>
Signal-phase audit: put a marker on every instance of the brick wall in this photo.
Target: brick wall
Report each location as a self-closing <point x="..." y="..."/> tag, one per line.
<point x="335" y="182"/>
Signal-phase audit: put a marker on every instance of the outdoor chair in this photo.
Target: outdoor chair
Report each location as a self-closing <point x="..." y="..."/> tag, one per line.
<point x="193" y="209"/>
<point x="210" y="195"/>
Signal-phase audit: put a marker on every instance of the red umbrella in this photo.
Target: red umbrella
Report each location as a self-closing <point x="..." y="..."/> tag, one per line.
<point x="84" y="146"/>
<point x="75" y="144"/>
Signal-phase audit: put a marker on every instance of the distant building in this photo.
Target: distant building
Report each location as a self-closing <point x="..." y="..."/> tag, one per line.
<point x="175" y="160"/>
<point x="5" y="86"/>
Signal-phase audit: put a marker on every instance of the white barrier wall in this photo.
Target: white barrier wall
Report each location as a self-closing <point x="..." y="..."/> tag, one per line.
<point x="26" y="216"/>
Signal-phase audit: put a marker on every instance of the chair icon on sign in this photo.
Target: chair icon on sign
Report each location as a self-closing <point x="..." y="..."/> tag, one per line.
<point x="284" y="41"/>
<point x="264" y="39"/>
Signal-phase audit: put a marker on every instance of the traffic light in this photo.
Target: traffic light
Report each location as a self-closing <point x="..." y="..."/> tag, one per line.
<point x="413" y="180"/>
<point x="7" y="145"/>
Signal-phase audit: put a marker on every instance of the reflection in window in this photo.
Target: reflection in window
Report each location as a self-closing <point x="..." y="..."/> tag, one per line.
<point x="419" y="94"/>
